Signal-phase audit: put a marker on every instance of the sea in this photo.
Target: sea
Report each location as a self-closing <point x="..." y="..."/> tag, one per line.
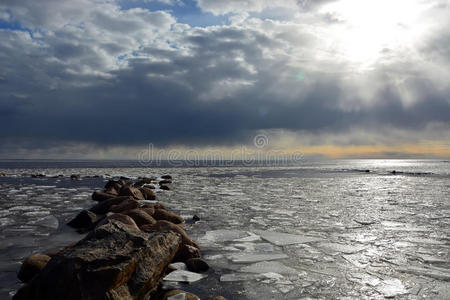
<point x="313" y="229"/>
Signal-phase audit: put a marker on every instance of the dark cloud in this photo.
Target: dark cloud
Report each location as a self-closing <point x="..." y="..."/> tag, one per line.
<point x="196" y="86"/>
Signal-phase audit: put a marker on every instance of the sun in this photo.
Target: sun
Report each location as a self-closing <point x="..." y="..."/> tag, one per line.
<point x="363" y="30"/>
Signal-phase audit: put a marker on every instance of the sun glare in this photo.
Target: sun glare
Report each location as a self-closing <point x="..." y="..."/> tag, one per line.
<point x="366" y="29"/>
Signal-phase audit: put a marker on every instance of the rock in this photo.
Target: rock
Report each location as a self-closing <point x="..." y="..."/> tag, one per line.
<point x="112" y="262"/>
<point x="140" y="217"/>
<point x="187" y="252"/>
<point x="163" y="225"/>
<point x="147" y="180"/>
<point x="112" y="191"/>
<point x="75" y="176"/>
<point x="104" y="206"/>
<point x="165" y="187"/>
<point x="2" y="174"/>
<point x="197" y="265"/>
<point x="162" y="214"/>
<point x="127" y="220"/>
<point x="195" y="218"/>
<point x="165" y="181"/>
<point x="218" y="298"/>
<point x="149" y="210"/>
<point x="101" y="196"/>
<point x="166" y="177"/>
<point x="170" y="295"/>
<point x="113" y="184"/>
<point x="128" y="204"/>
<point x="84" y="220"/>
<point x="132" y="192"/>
<point x="148" y="193"/>
<point x="32" y="266"/>
<point x="155" y="206"/>
<point x="38" y="176"/>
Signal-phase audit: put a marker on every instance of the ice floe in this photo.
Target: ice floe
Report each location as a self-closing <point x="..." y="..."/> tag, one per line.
<point x="283" y="239"/>
<point x="184" y="276"/>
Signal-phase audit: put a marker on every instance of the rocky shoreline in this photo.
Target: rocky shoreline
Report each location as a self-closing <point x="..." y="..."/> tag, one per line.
<point x="133" y="245"/>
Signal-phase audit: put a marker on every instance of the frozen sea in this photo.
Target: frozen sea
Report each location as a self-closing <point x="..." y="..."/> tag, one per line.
<point x="329" y="229"/>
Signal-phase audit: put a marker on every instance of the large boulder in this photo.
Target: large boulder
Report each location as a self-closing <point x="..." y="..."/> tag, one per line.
<point x="162" y="214"/>
<point x="140" y="217"/>
<point x="131" y="192"/>
<point x="85" y="220"/>
<point x="197" y="265"/>
<point x="102" y="196"/>
<point x="125" y="205"/>
<point x="163" y="225"/>
<point x="127" y="220"/>
<point x="171" y="295"/>
<point x="104" y="206"/>
<point x="31" y="266"/>
<point x="112" y="262"/>
<point x="148" y="193"/>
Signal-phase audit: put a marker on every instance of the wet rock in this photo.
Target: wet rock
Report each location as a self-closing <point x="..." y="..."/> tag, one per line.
<point x="112" y="191"/>
<point x="128" y="204"/>
<point x="162" y="214"/>
<point x="148" y="210"/>
<point x="112" y="262"/>
<point x="171" y="295"/>
<point x="140" y="217"/>
<point x="75" y="176"/>
<point x="32" y="266"/>
<point x="165" y="187"/>
<point x="163" y="225"/>
<point x="2" y="174"/>
<point x="127" y="220"/>
<point x="165" y="181"/>
<point x="104" y="206"/>
<point x="218" y="298"/>
<point x="148" y="193"/>
<point x="195" y="218"/>
<point x="101" y="196"/>
<point x="197" y="265"/>
<point x="155" y="206"/>
<point x="187" y="252"/>
<point x="113" y="184"/>
<point x="166" y="177"/>
<point x="84" y="220"/>
<point x="132" y="192"/>
<point x="38" y="175"/>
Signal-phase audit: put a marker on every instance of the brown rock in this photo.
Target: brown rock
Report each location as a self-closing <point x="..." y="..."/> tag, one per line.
<point x="132" y="192"/>
<point x="113" y="184"/>
<point x="85" y="220"/>
<point x="163" y="225"/>
<point x="218" y="298"/>
<point x="32" y="266"/>
<point x="166" y="177"/>
<point x="155" y="206"/>
<point x="165" y="187"/>
<point x="197" y="265"/>
<point x="165" y="181"/>
<point x="101" y="196"/>
<point x="75" y="176"/>
<point x="127" y="220"/>
<point x="112" y="191"/>
<point x="128" y="204"/>
<point x="112" y="262"/>
<point x="162" y="214"/>
<point x="187" y="295"/>
<point x="104" y="206"/>
<point x="148" y="193"/>
<point x="148" y="210"/>
<point x="140" y="217"/>
<point x="186" y="252"/>
<point x="2" y="174"/>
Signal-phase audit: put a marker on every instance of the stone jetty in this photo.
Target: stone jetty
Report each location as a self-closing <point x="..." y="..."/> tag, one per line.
<point x="133" y="243"/>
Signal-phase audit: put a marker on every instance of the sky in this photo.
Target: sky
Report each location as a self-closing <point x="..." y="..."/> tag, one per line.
<point x="326" y="78"/>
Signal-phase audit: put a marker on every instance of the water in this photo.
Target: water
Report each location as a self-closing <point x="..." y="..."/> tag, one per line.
<point x="320" y="229"/>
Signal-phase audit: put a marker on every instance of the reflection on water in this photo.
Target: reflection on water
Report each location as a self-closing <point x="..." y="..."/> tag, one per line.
<point x="327" y="230"/>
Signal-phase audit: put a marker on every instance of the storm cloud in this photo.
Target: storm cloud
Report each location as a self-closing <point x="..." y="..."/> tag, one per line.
<point x="94" y="72"/>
